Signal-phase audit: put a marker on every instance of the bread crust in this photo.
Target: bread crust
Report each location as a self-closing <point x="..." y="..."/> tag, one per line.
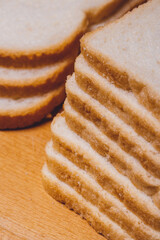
<point x="143" y="125"/>
<point x="25" y="117"/>
<point x="95" y="15"/>
<point x="38" y="85"/>
<point x="42" y="57"/>
<point x="74" y="201"/>
<point x="122" y="9"/>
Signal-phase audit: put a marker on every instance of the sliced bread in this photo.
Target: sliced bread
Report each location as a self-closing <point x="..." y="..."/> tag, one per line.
<point x="113" y="127"/>
<point x="127" y="51"/>
<point x="122" y="103"/>
<point x="82" y="154"/>
<point x="123" y="162"/>
<point x="85" y="185"/>
<point x="62" y="192"/>
<point x="46" y="28"/>
<point x="25" y="82"/>
<point x="22" y="112"/>
<point x="119" y="12"/>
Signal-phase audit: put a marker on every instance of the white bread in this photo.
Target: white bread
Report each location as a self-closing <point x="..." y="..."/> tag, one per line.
<point x="126" y="6"/>
<point x="121" y="102"/>
<point x="127" y="50"/>
<point x="113" y="127"/>
<point x="25" y="82"/>
<point x="123" y="162"/>
<point x="22" y="112"/>
<point x="62" y="192"/>
<point x="86" y="186"/>
<point x="45" y="27"/>
<point x="82" y="154"/>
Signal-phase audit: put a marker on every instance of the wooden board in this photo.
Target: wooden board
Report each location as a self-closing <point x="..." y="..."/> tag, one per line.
<point x="26" y="210"/>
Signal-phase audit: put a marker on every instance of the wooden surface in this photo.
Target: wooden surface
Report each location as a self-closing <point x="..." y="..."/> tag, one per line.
<point x="26" y="210"/>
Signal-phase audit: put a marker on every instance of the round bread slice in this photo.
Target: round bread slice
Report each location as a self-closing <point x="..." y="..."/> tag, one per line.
<point x="25" y="82"/>
<point x="24" y="112"/>
<point x="35" y="30"/>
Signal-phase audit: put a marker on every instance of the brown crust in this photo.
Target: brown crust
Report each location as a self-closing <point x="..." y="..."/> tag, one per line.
<point x="104" y="66"/>
<point x="122" y="9"/>
<point x="144" y="93"/>
<point x="41" y="85"/>
<point x="43" y="56"/>
<point x="96" y="15"/>
<point x="29" y="116"/>
<point x="156" y="199"/>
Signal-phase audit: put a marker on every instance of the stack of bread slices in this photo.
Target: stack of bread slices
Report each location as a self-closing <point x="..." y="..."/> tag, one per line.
<point x="104" y="157"/>
<point x="38" y="46"/>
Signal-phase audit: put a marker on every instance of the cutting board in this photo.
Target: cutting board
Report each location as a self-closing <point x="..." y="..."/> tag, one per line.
<point x="26" y="211"/>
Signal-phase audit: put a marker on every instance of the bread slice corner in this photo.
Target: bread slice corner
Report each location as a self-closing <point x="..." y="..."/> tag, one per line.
<point x="127" y="51"/>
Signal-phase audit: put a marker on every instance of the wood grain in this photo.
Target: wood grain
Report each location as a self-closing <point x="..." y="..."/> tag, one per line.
<point x="26" y="210"/>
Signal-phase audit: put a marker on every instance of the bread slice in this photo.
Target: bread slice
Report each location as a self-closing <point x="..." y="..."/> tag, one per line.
<point x="82" y="154"/>
<point x="123" y="104"/>
<point x="46" y="28"/>
<point x="119" y="101"/>
<point x="25" y="82"/>
<point x="62" y="192"/>
<point x="123" y="162"/>
<point x="122" y="9"/>
<point x="85" y="185"/>
<point x="113" y="127"/>
<point x="23" y="112"/>
<point x="127" y="50"/>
